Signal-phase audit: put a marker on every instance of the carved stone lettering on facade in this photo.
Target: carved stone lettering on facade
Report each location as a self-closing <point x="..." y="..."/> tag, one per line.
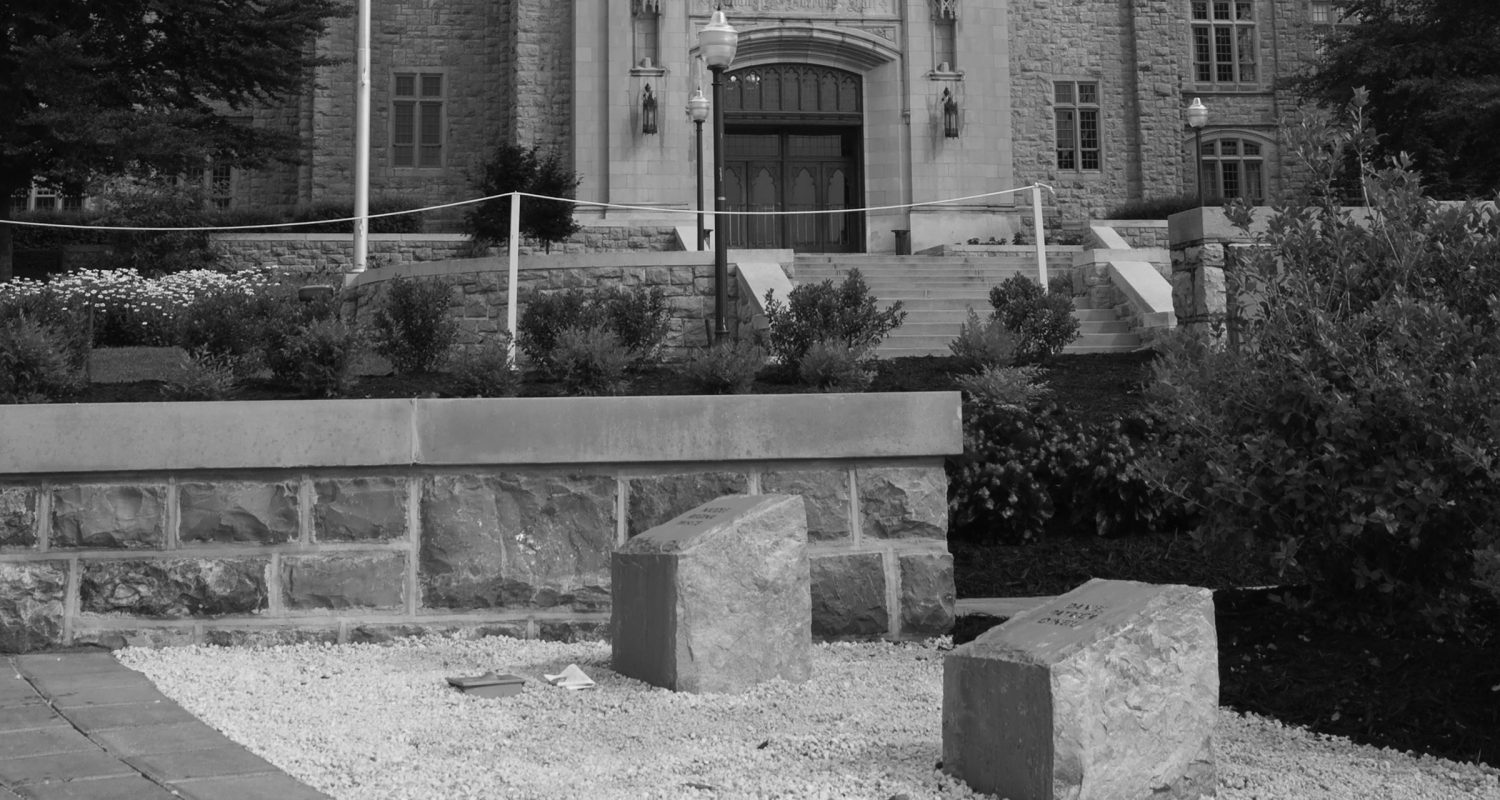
<point x="823" y="7"/>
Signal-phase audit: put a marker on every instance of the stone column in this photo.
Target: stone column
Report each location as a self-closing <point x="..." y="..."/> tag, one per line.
<point x="1201" y="242"/>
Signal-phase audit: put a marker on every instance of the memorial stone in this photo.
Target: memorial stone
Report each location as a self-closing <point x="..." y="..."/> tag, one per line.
<point x="1109" y="692"/>
<point x="717" y="599"/>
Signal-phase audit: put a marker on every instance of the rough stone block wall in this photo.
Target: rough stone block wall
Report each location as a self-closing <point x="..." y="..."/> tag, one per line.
<point x="543" y="74"/>
<point x="1140" y="234"/>
<point x="333" y="253"/>
<point x="478" y="299"/>
<point x="311" y="555"/>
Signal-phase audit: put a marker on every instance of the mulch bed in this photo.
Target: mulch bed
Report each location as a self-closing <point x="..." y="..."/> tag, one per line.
<point x="1393" y="688"/>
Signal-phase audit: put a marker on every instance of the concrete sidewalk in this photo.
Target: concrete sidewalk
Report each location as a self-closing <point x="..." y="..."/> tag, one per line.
<point x="80" y="726"/>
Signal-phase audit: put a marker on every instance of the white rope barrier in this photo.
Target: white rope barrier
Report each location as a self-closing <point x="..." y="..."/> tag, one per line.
<point x="587" y="203"/>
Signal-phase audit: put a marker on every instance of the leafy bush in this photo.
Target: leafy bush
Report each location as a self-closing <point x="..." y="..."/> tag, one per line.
<point x="513" y="168"/>
<point x="229" y="326"/>
<point x="484" y="370"/>
<point x="1027" y="471"/>
<point x="156" y="204"/>
<point x="35" y="362"/>
<point x="320" y="356"/>
<point x="1355" y="428"/>
<point x="335" y="210"/>
<point x="591" y="361"/>
<point x="544" y="319"/>
<point x="726" y="367"/>
<point x="286" y="319"/>
<point x="207" y="376"/>
<point x="66" y="317"/>
<point x="639" y="316"/>
<point x="1042" y="321"/>
<point x="1161" y="207"/>
<point x="819" y="312"/>
<point x="983" y="343"/>
<point x="412" y="326"/>
<point x="833" y="366"/>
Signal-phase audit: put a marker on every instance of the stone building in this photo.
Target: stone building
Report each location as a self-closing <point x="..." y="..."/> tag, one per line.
<point x="829" y="104"/>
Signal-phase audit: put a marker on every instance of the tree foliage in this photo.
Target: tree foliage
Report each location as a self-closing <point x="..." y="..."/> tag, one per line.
<point x="513" y="168"/>
<point x="110" y="87"/>
<point x="1432" y="69"/>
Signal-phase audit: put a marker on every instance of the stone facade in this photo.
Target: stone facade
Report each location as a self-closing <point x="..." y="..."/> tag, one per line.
<point x="442" y="534"/>
<point x="568" y="76"/>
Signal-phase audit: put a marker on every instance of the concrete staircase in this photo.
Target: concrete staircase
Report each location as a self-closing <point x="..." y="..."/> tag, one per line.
<point x="937" y="291"/>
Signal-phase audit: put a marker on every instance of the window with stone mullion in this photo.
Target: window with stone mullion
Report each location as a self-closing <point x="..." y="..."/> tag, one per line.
<point x="1224" y="42"/>
<point x="1076" y="110"/>
<point x="417" y="120"/>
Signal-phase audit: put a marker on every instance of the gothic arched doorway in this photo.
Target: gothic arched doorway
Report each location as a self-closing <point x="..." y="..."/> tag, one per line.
<point x="792" y="135"/>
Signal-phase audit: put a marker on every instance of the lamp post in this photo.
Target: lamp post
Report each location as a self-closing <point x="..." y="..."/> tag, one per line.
<point x="1197" y="117"/>
<point x="717" y="42"/>
<point x="697" y="109"/>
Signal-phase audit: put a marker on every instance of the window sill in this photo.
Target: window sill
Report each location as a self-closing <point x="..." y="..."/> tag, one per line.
<point x="945" y="76"/>
<point x="648" y="72"/>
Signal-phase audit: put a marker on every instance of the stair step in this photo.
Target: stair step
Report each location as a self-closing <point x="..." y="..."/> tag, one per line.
<point x="1088" y="328"/>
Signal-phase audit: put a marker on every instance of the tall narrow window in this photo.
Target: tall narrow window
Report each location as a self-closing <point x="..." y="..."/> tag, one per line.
<point x="1224" y="42"/>
<point x="646" y="19"/>
<point x="945" y="36"/>
<point x="1076" y="108"/>
<point x="1234" y="169"/>
<point x="417" y="120"/>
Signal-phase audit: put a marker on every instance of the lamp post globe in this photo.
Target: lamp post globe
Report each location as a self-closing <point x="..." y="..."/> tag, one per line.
<point x="1197" y="117"/>
<point x="717" y="42"/>
<point x="697" y="111"/>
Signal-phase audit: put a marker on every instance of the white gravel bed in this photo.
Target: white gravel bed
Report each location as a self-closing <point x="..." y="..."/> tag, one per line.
<point x="380" y="721"/>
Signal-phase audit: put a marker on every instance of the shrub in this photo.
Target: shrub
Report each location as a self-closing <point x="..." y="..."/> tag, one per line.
<point x="591" y="361"/>
<point x="156" y="204"/>
<point x="982" y="344"/>
<point x="513" y="168"/>
<point x="822" y="312"/>
<point x="639" y="317"/>
<point x="229" y="326"/>
<point x="1027" y="471"/>
<point x="544" y="319"/>
<point x="1042" y="321"/>
<point x="319" y="357"/>
<point x="484" y="370"/>
<point x="726" y="367"/>
<point x="833" y="366"/>
<point x="335" y="210"/>
<point x="286" y="319"/>
<point x="412" y="326"/>
<point x="67" y="318"/>
<point x="1354" y="430"/>
<point x="35" y="362"/>
<point x="207" y="376"/>
<point x="1161" y="207"/>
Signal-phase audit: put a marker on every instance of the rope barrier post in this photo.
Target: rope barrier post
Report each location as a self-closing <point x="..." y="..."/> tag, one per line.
<point x="362" y="142"/>
<point x="1041" y="242"/>
<point x="513" y="279"/>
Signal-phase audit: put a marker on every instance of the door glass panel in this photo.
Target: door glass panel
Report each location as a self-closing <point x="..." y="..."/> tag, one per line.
<point x="802" y="196"/>
<point x="764" y="196"/>
<point x="734" y="200"/>
<point x="837" y="198"/>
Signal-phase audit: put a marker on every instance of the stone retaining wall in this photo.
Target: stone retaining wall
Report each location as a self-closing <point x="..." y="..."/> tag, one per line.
<point x="334" y="252"/>
<point x="478" y="289"/>
<point x="359" y="520"/>
<point x="1140" y="233"/>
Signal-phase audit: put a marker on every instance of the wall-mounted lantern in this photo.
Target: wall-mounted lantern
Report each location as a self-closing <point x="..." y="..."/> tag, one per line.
<point x="648" y="111"/>
<point x="950" y="115"/>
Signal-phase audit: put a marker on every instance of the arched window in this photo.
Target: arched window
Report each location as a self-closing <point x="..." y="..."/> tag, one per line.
<point x="1234" y="168"/>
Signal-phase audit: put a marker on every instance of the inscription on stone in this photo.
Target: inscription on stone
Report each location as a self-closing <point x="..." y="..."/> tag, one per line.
<point x="1071" y="615"/>
<point x="825" y="7"/>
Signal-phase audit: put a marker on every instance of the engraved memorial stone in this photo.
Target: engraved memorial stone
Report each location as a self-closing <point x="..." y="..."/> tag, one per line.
<point x="1109" y="692"/>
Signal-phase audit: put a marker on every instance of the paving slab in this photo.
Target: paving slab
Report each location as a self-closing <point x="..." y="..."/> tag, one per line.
<point x="167" y="738"/>
<point x="37" y="664"/>
<point x="43" y="742"/>
<point x="97" y="718"/>
<point x="217" y="762"/>
<point x="106" y="695"/>
<point x="52" y="685"/>
<point x="278" y="786"/>
<point x="62" y="767"/>
<point x="130" y="787"/>
<point x="30" y="717"/>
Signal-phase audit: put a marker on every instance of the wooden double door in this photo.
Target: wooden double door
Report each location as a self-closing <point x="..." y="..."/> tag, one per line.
<point x="794" y="169"/>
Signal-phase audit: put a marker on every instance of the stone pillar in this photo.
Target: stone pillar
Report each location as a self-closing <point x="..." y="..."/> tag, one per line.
<point x="1201" y="240"/>
<point x="717" y="599"/>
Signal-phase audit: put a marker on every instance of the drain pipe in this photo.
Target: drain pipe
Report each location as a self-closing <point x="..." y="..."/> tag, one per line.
<point x="904" y="178"/>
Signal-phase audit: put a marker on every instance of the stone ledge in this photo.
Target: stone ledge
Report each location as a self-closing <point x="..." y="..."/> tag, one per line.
<point x="293" y="434"/>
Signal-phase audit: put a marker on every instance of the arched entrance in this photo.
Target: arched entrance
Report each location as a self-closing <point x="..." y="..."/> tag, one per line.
<point x="792" y="135"/>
